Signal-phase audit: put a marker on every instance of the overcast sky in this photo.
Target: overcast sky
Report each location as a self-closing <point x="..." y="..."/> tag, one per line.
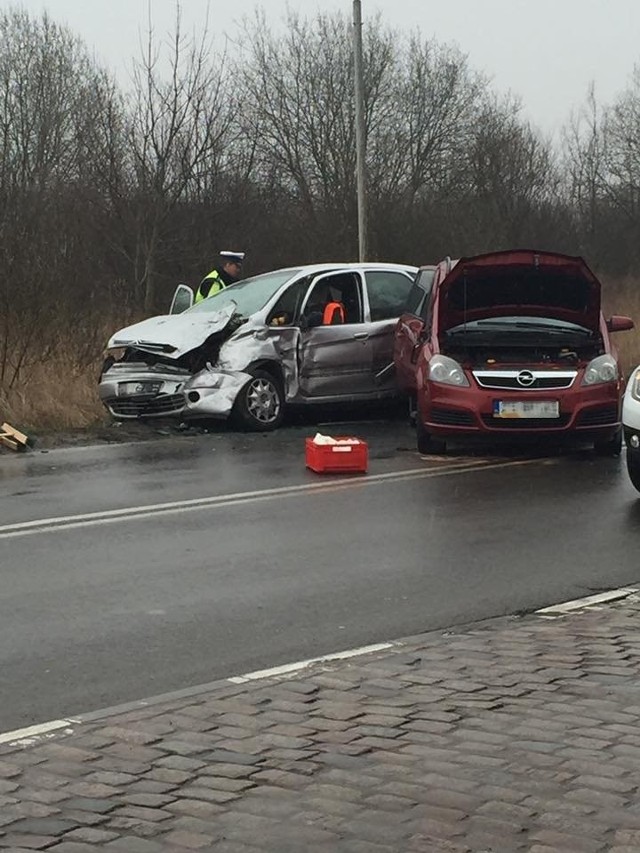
<point x="545" y="51"/>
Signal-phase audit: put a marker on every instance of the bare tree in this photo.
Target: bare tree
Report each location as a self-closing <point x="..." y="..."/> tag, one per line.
<point x="177" y="137"/>
<point x="300" y="112"/>
<point x="47" y="89"/>
<point x="511" y="174"/>
<point x="586" y="165"/>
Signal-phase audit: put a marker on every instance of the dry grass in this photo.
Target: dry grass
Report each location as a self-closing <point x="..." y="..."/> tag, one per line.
<point x="622" y="296"/>
<point x="62" y="392"/>
<point x="63" y="395"/>
<point x="54" y="397"/>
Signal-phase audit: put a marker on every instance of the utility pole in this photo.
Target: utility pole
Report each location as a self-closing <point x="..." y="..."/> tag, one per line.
<point x="361" y="142"/>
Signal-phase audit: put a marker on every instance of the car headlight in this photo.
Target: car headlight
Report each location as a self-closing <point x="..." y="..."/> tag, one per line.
<point x="604" y="368"/>
<point x="635" y="385"/>
<point x="447" y="371"/>
<point x="116" y="353"/>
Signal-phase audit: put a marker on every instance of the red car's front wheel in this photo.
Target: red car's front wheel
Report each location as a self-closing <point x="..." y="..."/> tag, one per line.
<point x="428" y="443"/>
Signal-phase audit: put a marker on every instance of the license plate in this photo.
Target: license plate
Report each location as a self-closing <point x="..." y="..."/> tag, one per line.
<point x="133" y="389"/>
<point x="521" y="409"/>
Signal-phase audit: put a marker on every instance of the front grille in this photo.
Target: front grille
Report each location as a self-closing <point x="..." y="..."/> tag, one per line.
<point x="138" y="407"/>
<point x="451" y="417"/>
<point x="516" y="424"/>
<point x="598" y="416"/>
<point x="509" y="379"/>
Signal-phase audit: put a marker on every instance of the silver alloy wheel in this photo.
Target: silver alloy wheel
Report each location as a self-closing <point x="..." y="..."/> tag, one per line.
<point x="263" y="400"/>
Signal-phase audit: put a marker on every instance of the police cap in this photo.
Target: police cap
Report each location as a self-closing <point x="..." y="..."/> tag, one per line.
<point x="235" y="257"/>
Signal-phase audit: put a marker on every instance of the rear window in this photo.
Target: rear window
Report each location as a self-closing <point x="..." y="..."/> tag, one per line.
<point x="388" y="292"/>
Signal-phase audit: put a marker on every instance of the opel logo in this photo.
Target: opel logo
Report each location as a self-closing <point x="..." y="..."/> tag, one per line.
<point x="525" y="378"/>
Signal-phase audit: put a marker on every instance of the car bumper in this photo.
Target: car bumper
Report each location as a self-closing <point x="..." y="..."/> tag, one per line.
<point x="212" y="394"/>
<point x="631" y="408"/>
<point x="131" y="392"/>
<point x="591" y="412"/>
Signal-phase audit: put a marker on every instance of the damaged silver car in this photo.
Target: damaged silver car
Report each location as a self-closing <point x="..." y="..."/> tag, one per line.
<point x="262" y="344"/>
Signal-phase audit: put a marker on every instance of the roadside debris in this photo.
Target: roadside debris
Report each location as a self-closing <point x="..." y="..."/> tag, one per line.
<point x="14" y="439"/>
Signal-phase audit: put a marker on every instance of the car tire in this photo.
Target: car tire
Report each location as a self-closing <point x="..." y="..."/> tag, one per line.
<point x="412" y="410"/>
<point x="427" y="443"/>
<point x="610" y="447"/>
<point x="259" y="407"/>
<point x="633" y="466"/>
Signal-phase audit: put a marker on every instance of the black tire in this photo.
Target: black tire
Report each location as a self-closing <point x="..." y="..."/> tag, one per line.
<point x="609" y="447"/>
<point x="633" y="466"/>
<point x="259" y="407"/>
<point x="412" y="407"/>
<point x="427" y="443"/>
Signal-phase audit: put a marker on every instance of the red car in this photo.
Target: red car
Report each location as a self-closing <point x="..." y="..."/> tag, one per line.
<point x="510" y="344"/>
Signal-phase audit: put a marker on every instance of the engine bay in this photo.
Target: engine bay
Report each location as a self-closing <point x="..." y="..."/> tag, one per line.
<point x="544" y="356"/>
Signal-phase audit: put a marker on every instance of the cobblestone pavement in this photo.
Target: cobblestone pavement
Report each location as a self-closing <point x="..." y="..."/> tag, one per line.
<point x="516" y="734"/>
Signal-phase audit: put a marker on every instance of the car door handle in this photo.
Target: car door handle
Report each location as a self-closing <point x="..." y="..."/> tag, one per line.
<point x="361" y="336"/>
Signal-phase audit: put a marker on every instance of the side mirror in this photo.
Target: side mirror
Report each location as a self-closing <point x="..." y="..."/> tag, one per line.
<point x="618" y="323"/>
<point x="182" y="299"/>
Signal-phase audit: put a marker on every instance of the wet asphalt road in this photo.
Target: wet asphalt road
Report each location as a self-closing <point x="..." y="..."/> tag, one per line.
<point x="111" y="608"/>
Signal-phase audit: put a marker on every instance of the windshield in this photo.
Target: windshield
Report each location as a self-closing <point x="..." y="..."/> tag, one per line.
<point x="249" y="295"/>
<point x="532" y="324"/>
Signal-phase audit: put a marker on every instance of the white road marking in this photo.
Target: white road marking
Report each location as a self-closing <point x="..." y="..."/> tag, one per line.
<point x="109" y="516"/>
<point x="32" y="734"/>
<point x="587" y="601"/>
<point x="289" y="668"/>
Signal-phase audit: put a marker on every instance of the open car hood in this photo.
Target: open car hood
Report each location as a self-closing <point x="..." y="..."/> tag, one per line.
<point x="173" y="335"/>
<point x="516" y="283"/>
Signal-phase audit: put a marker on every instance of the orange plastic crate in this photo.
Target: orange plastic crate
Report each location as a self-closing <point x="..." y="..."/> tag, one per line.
<point x="337" y="458"/>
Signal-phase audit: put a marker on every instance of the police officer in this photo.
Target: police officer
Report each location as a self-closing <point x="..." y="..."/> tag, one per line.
<point x="226" y="272"/>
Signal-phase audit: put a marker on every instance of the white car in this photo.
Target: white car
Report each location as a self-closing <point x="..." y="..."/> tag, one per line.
<point x="631" y="426"/>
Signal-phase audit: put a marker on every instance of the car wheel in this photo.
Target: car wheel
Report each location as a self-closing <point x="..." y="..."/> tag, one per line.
<point x="427" y="443"/>
<point x="610" y="447"/>
<point x="633" y="466"/>
<point x="259" y="406"/>
<point x="412" y="407"/>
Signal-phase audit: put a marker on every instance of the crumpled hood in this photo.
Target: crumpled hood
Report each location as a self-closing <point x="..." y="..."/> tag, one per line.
<point x="173" y="335"/>
<point x="520" y="282"/>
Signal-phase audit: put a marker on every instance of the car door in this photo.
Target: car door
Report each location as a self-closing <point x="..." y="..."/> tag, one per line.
<point x="411" y="329"/>
<point x="387" y="293"/>
<point x="334" y="361"/>
<point x="182" y="299"/>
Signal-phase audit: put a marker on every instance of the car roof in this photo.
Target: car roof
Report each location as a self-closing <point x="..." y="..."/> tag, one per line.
<point x="328" y="267"/>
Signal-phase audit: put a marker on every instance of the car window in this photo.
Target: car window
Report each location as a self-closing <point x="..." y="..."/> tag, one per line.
<point x="416" y="301"/>
<point x="286" y="309"/>
<point x="388" y="292"/>
<point x="343" y="288"/>
<point x="249" y="295"/>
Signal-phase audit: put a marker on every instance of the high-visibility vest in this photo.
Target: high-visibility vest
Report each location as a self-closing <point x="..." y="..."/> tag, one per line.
<point x="217" y="284"/>
<point x="333" y="314"/>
